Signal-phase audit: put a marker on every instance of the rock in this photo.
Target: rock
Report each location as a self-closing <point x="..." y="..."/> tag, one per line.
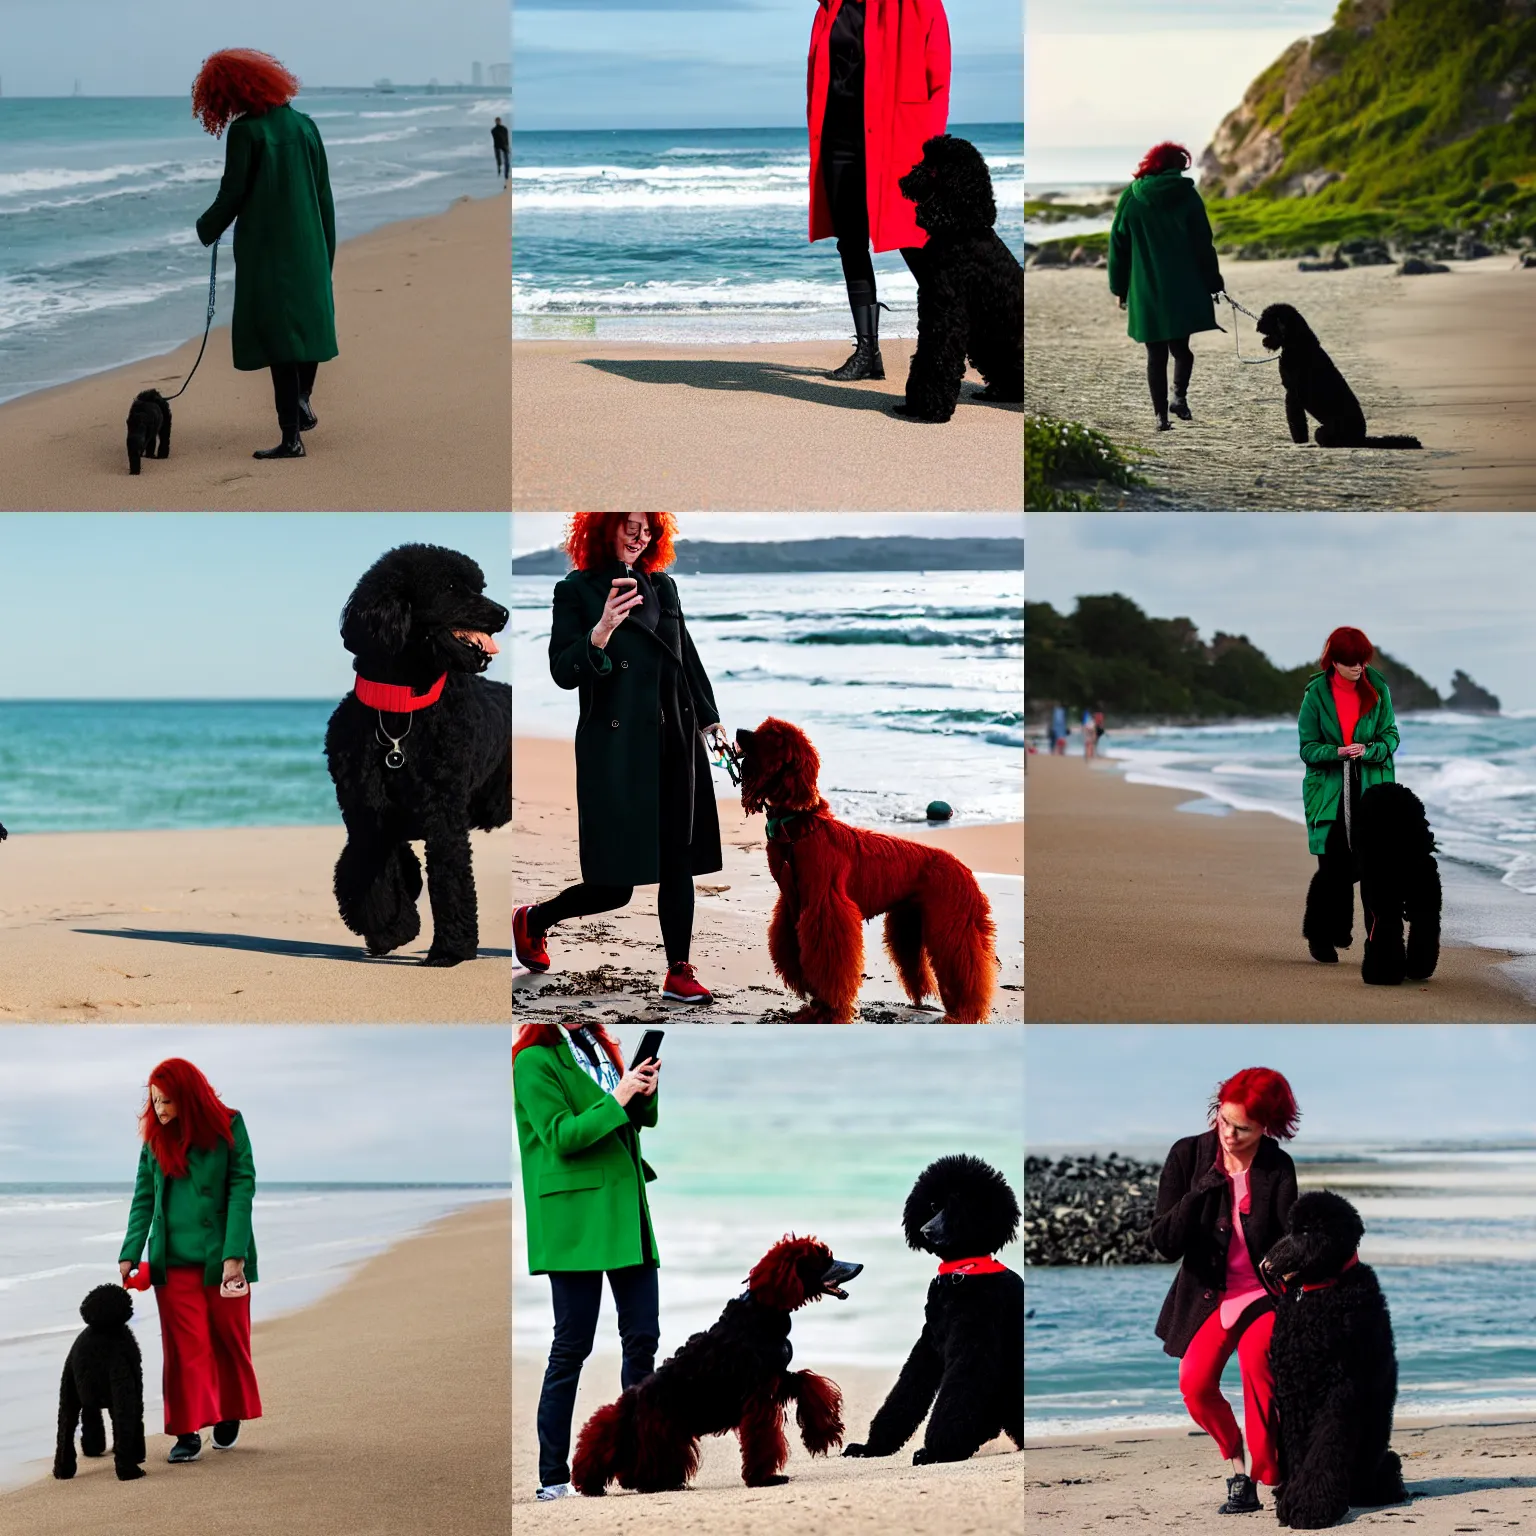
<point x="1416" y="266"/>
<point x="1308" y="182"/>
<point x="1089" y="1210"/>
<point x="939" y="810"/>
<point x="1527" y="260"/>
<point x="1470" y="248"/>
<point x="1049" y="256"/>
<point x="1334" y="263"/>
<point x="1469" y="697"/>
<point x="1365" y="252"/>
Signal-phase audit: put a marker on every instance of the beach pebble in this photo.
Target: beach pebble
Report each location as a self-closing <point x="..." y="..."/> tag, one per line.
<point x="940" y="810"/>
<point x="1334" y="263"/>
<point x="1416" y="266"/>
<point x="1089" y="1210"/>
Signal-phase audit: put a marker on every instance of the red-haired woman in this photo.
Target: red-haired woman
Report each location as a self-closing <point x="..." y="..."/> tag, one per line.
<point x="1164" y="272"/>
<point x="876" y="89"/>
<point x="277" y="191"/>
<point x="192" y="1203"/>
<point x="1221" y="1204"/>
<point x="579" y="1115"/>
<point x="1348" y="735"/>
<point x="644" y="799"/>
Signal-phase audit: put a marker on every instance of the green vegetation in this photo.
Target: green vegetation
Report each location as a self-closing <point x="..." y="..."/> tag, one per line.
<point x="1050" y="210"/>
<point x="1057" y="452"/>
<point x="1423" y="112"/>
<point x="1108" y="653"/>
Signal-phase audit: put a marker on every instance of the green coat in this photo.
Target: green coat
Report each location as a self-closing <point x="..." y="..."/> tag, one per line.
<point x="1318" y="726"/>
<point x="583" y="1176"/>
<point x="618" y="733"/>
<point x="277" y="186"/>
<point x="1162" y="260"/>
<point x="225" y="1180"/>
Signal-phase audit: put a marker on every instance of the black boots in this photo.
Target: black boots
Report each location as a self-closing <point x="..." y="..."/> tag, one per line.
<point x="1242" y="1496"/>
<point x="291" y="447"/>
<point x="866" y="362"/>
<point x="308" y="421"/>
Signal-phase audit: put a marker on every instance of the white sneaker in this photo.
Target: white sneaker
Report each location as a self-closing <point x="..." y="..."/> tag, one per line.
<point x="557" y="1491"/>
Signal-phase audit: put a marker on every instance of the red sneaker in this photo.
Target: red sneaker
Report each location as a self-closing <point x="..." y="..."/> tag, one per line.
<point x="682" y="986"/>
<point x="531" y="953"/>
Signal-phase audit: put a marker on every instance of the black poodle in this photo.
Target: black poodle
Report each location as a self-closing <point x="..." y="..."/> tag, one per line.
<point x="1399" y="883"/>
<point x="735" y="1376"/>
<point x="103" y="1371"/>
<point x="970" y="292"/>
<point x="968" y="1362"/>
<point x="422" y="748"/>
<point x="1313" y="384"/>
<point x="1335" y="1368"/>
<point x="149" y="428"/>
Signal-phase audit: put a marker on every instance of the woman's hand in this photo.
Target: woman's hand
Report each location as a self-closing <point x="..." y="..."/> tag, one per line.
<point x="623" y="596"/>
<point x="234" y="1269"/>
<point x="1354" y="749"/>
<point x="641" y="1079"/>
<point x="716" y="737"/>
<point x="124" y="1268"/>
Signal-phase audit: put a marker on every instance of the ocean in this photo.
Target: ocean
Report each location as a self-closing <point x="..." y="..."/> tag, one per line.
<point x="124" y="765"/>
<point x="699" y="234"/>
<point x="742" y="1154"/>
<point x="99" y="262"/>
<point x="1077" y="176"/>
<point x="1451" y="1232"/>
<point x="910" y="685"/>
<point x="57" y="1241"/>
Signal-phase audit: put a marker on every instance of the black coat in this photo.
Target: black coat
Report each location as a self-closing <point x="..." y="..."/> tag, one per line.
<point x="1193" y="1223"/>
<point x="625" y="691"/>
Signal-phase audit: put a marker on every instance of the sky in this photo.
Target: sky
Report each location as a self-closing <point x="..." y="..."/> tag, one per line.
<point x="1124" y="75"/>
<point x="349" y="1103"/>
<point x="154" y="47"/>
<point x="198" y="605"/>
<point x="1438" y="591"/>
<point x="720" y="63"/>
<point x="542" y="530"/>
<point x="1138" y="1088"/>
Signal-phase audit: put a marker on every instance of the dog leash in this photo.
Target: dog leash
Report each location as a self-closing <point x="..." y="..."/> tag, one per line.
<point x="1250" y="362"/>
<point x="213" y="279"/>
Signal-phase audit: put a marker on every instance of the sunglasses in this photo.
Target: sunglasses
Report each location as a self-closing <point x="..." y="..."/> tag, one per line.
<point x="637" y="531"/>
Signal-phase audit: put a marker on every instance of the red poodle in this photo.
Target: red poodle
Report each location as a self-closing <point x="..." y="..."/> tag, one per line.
<point x="832" y="878"/>
<point x="734" y="1376"/>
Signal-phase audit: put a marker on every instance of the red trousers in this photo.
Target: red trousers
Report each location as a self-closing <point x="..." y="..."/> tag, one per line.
<point x="1200" y="1382"/>
<point x="206" y="1341"/>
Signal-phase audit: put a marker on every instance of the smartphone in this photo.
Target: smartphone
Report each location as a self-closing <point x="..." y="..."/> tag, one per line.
<point x="650" y="1047"/>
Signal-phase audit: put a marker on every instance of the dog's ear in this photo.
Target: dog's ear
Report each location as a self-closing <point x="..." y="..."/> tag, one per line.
<point x="377" y="617"/>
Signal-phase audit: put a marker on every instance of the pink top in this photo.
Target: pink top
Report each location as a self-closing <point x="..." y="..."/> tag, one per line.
<point x="1243" y="1287"/>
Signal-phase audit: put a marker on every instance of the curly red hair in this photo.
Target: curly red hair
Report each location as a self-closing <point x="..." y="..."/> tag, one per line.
<point x="1265" y="1095"/>
<point x="237" y="81"/>
<point x="202" y="1118"/>
<point x="1353" y="648"/>
<point x="775" y="1280"/>
<point x="549" y="1034"/>
<point x="1166" y="156"/>
<point x="589" y="539"/>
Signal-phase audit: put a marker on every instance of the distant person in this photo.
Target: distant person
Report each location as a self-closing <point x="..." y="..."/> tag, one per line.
<point x="1348" y="737"/>
<point x="1059" y="731"/>
<point x="1098" y="726"/>
<point x="277" y="192"/>
<point x="1163" y="271"/>
<point x="1090" y="735"/>
<point x="502" y="144"/>
<point x="191" y="1203"/>
<point x="877" y="88"/>
<point x="1222" y="1201"/>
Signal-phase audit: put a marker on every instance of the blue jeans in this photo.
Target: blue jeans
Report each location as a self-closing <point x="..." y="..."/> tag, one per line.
<point x="576" y="1296"/>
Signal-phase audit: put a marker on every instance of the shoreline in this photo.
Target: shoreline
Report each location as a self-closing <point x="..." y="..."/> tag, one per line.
<point x="1198" y="918"/>
<point x="1473" y="1418"/>
<point x="354" y="1437"/>
<point x="408" y="409"/>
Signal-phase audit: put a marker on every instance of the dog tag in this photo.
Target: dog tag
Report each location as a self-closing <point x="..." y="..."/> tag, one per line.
<point x="394" y="758"/>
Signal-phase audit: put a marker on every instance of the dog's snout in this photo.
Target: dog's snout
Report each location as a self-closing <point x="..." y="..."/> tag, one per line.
<point x="933" y="1229"/>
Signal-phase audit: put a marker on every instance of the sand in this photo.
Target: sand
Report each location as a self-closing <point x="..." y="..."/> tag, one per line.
<point x="413" y="412"/>
<point x="1450" y="359"/>
<point x="224" y="925"/>
<point x="611" y="967"/>
<point x="826" y="1496"/>
<point x="748" y="426"/>
<point x="1463" y="1476"/>
<point x="386" y="1410"/>
<point x="1139" y="913"/>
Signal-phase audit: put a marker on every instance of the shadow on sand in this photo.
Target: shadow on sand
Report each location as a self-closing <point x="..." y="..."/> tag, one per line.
<point x="302" y="949"/>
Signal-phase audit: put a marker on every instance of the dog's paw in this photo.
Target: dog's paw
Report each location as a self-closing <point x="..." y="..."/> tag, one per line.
<point x="776" y="1481"/>
<point x="923" y="1457"/>
<point x="856" y="1450"/>
<point x="442" y="958"/>
<point x="130" y="1473"/>
<point x="64" y="1470"/>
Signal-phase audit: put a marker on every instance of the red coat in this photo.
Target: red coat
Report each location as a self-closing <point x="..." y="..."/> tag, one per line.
<point x="906" y="101"/>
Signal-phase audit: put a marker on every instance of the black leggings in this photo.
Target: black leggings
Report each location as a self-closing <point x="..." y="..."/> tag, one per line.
<point x="842" y="175"/>
<point x="290" y="382"/>
<point x="1157" y="370"/>
<point x="674" y="905"/>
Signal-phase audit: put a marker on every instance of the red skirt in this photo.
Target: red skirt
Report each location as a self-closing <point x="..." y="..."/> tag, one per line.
<point x="206" y="1341"/>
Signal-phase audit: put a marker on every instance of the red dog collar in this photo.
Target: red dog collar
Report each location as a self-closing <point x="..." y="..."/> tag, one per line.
<point x="1322" y="1285"/>
<point x="397" y="698"/>
<point x="982" y="1266"/>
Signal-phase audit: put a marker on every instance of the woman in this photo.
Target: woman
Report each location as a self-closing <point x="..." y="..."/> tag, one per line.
<point x="877" y="88"/>
<point x="1163" y="271"/>
<point x="192" y="1200"/>
<point x="644" y="799"/>
<point x="579" y="1115"/>
<point x="1348" y="735"/>
<point x="277" y="185"/>
<point x="1221" y="1205"/>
